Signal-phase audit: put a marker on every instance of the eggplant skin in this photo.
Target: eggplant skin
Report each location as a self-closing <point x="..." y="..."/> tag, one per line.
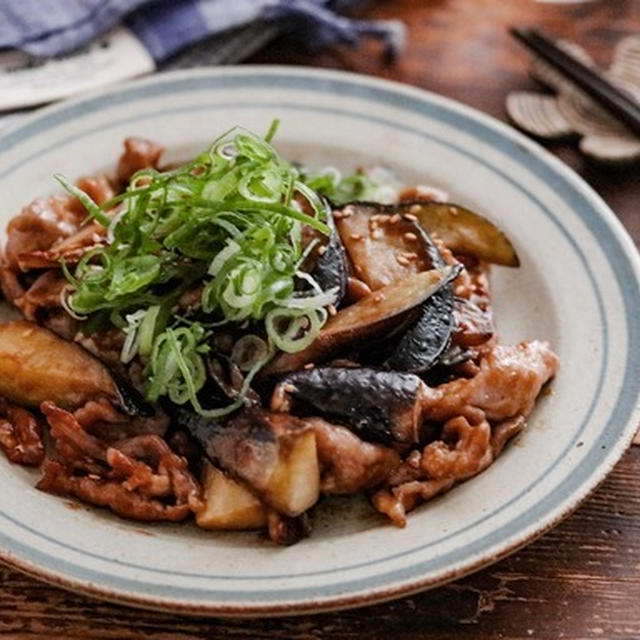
<point x="428" y="338"/>
<point x="331" y="269"/>
<point x="381" y="406"/>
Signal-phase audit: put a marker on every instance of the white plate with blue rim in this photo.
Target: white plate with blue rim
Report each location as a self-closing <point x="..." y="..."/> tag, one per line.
<point x="578" y="287"/>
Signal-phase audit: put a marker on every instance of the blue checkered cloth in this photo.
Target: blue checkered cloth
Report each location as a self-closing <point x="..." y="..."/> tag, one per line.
<point x="46" y="28"/>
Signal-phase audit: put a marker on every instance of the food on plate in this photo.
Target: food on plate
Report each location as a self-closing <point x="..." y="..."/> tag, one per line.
<point x="236" y="338"/>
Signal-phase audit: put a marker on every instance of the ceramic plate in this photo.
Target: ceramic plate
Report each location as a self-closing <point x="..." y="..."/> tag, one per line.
<point x="577" y="287"/>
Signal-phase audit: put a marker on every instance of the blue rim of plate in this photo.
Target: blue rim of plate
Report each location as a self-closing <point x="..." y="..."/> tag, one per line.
<point x="561" y="500"/>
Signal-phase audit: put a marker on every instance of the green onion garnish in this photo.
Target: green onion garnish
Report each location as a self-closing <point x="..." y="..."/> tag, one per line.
<point x="227" y="225"/>
<point x="340" y="190"/>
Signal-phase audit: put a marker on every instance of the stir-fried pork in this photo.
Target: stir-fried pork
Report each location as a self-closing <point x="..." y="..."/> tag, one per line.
<point x="509" y="380"/>
<point x="133" y="477"/>
<point x="44" y="293"/>
<point x="503" y="390"/>
<point x="70" y="249"/>
<point x="138" y="154"/>
<point x="38" y="227"/>
<point x="348" y="463"/>
<point x="20" y="435"/>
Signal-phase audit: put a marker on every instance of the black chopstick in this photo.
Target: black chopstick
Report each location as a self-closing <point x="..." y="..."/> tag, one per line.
<point x="616" y="102"/>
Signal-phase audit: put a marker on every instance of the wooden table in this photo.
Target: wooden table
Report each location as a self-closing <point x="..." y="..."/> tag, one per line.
<point x="582" y="580"/>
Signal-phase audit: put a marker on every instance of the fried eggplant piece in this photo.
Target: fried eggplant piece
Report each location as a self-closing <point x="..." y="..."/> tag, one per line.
<point x="36" y="365"/>
<point x="383" y="406"/>
<point x="274" y="454"/>
<point x="386" y="246"/>
<point x="423" y="343"/>
<point x="464" y="231"/>
<point x="382" y="313"/>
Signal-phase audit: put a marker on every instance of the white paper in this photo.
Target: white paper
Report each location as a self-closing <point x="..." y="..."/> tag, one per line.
<point x="115" y="56"/>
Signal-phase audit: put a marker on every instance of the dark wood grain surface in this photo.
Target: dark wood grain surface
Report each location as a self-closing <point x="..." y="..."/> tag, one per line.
<point x="582" y="580"/>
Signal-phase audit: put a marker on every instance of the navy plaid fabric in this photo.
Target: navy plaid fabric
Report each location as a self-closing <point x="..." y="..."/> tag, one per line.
<point x="47" y="28"/>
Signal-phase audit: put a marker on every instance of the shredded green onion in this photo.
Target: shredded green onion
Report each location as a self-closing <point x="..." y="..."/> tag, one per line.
<point x="132" y="331"/>
<point x="292" y="330"/>
<point x="225" y="227"/>
<point x="248" y="351"/>
<point x="93" y="209"/>
<point x="273" y="128"/>
<point x="340" y="190"/>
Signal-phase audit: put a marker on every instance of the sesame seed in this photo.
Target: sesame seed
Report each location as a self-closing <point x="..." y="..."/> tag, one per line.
<point x="453" y="211"/>
<point x="348" y="210"/>
<point x="415" y="208"/>
<point x="322" y="250"/>
<point x="411" y="237"/>
<point x="338" y="215"/>
<point x="409" y="255"/>
<point x="288" y="387"/>
<point x="378" y="297"/>
<point x="331" y="309"/>
<point x="309" y="365"/>
<point x="402" y="261"/>
<point x="376" y="234"/>
<point x="394" y="218"/>
<point x="356" y="236"/>
<point x="410" y="216"/>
